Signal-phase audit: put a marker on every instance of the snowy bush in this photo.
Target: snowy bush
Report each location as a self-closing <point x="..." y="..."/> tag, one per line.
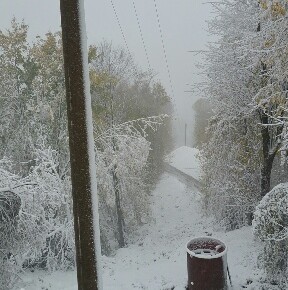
<point x="8" y="272"/>
<point x="9" y="208"/>
<point x="270" y="225"/>
<point x="46" y="219"/>
<point x="42" y="235"/>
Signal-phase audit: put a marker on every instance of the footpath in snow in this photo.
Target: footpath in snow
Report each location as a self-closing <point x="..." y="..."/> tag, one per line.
<point x="156" y="259"/>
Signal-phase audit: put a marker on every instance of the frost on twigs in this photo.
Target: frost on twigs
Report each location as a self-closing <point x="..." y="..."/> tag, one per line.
<point x="270" y="224"/>
<point x="9" y="208"/>
<point x="8" y="271"/>
<point x="41" y="234"/>
<point x="122" y="152"/>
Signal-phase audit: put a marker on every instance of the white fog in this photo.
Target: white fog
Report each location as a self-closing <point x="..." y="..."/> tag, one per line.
<point x="185" y="105"/>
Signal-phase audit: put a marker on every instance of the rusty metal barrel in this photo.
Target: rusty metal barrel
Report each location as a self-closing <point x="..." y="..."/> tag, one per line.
<point x="206" y="264"/>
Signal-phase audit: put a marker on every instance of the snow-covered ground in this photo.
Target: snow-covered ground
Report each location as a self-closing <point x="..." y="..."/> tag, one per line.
<point x="156" y="258"/>
<point x="186" y="159"/>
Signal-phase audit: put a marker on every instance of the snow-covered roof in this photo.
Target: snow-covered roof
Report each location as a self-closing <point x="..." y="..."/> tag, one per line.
<point x="186" y="159"/>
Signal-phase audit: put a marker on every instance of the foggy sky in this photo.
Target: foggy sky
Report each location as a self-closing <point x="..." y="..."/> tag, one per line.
<point x="183" y="25"/>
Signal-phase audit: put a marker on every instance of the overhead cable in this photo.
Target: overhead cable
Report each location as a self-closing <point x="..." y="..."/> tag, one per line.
<point x="120" y="27"/>
<point x="141" y="35"/>
<point x="163" y="47"/>
<point x="124" y="38"/>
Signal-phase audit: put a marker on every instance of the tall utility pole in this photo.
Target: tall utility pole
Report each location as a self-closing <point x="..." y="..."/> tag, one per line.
<point x="82" y="156"/>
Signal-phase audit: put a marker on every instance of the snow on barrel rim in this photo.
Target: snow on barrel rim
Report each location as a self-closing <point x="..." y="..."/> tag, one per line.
<point x="205" y="256"/>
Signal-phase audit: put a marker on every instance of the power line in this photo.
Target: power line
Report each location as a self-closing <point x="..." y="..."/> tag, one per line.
<point x="141" y="35"/>
<point x="120" y="27"/>
<point x="124" y="38"/>
<point x="163" y="47"/>
<point x="166" y="61"/>
<point x="144" y="45"/>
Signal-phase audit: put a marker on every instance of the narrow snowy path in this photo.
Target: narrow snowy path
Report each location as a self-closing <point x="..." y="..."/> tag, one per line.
<point x="156" y="259"/>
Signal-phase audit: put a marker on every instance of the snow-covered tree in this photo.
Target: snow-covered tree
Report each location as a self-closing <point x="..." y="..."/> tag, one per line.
<point x="47" y="103"/>
<point x="247" y="86"/>
<point x="231" y="177"/>
<point x="246" y="79"/>
<point x="32" y="95"/>
<point x="203" y="112"/>
<point x="122" y="155"/>
<point x="14" y="82"/>
<point x="122" y="92"/>
<point x="231" y="156"/>
<point x="34" y="139"/>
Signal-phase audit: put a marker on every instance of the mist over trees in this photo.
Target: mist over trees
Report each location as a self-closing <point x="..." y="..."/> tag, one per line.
<point x="246" y="152"/>
<point x="202" y="113"/>
<point x="132" y="133"/>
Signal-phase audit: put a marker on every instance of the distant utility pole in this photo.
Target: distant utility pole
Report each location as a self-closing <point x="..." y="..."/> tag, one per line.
<point x="185" y="134"/>
<point x="82" y="158"/>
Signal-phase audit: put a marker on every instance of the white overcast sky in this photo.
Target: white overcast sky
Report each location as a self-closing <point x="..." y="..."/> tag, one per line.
<point x="183" y="25"/>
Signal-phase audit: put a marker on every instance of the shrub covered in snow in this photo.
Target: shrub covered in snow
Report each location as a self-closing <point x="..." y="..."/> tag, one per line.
<point x="46" y="217"/>
<point x="270" y="224"/>
<point x="271" y="215"/>
<point x="42" y="233"/>
<point x="8" y="225"/>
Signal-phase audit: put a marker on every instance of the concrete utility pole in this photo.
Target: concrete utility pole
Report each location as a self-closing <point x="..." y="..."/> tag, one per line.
<point x="82" y="158"/>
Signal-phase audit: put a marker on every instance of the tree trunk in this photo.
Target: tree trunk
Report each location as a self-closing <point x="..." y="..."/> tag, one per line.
<point x="268" y="154"/>
<point x="267" y="162"/>
<point x="120" y="218"/>
<point x="266" y="174"/>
